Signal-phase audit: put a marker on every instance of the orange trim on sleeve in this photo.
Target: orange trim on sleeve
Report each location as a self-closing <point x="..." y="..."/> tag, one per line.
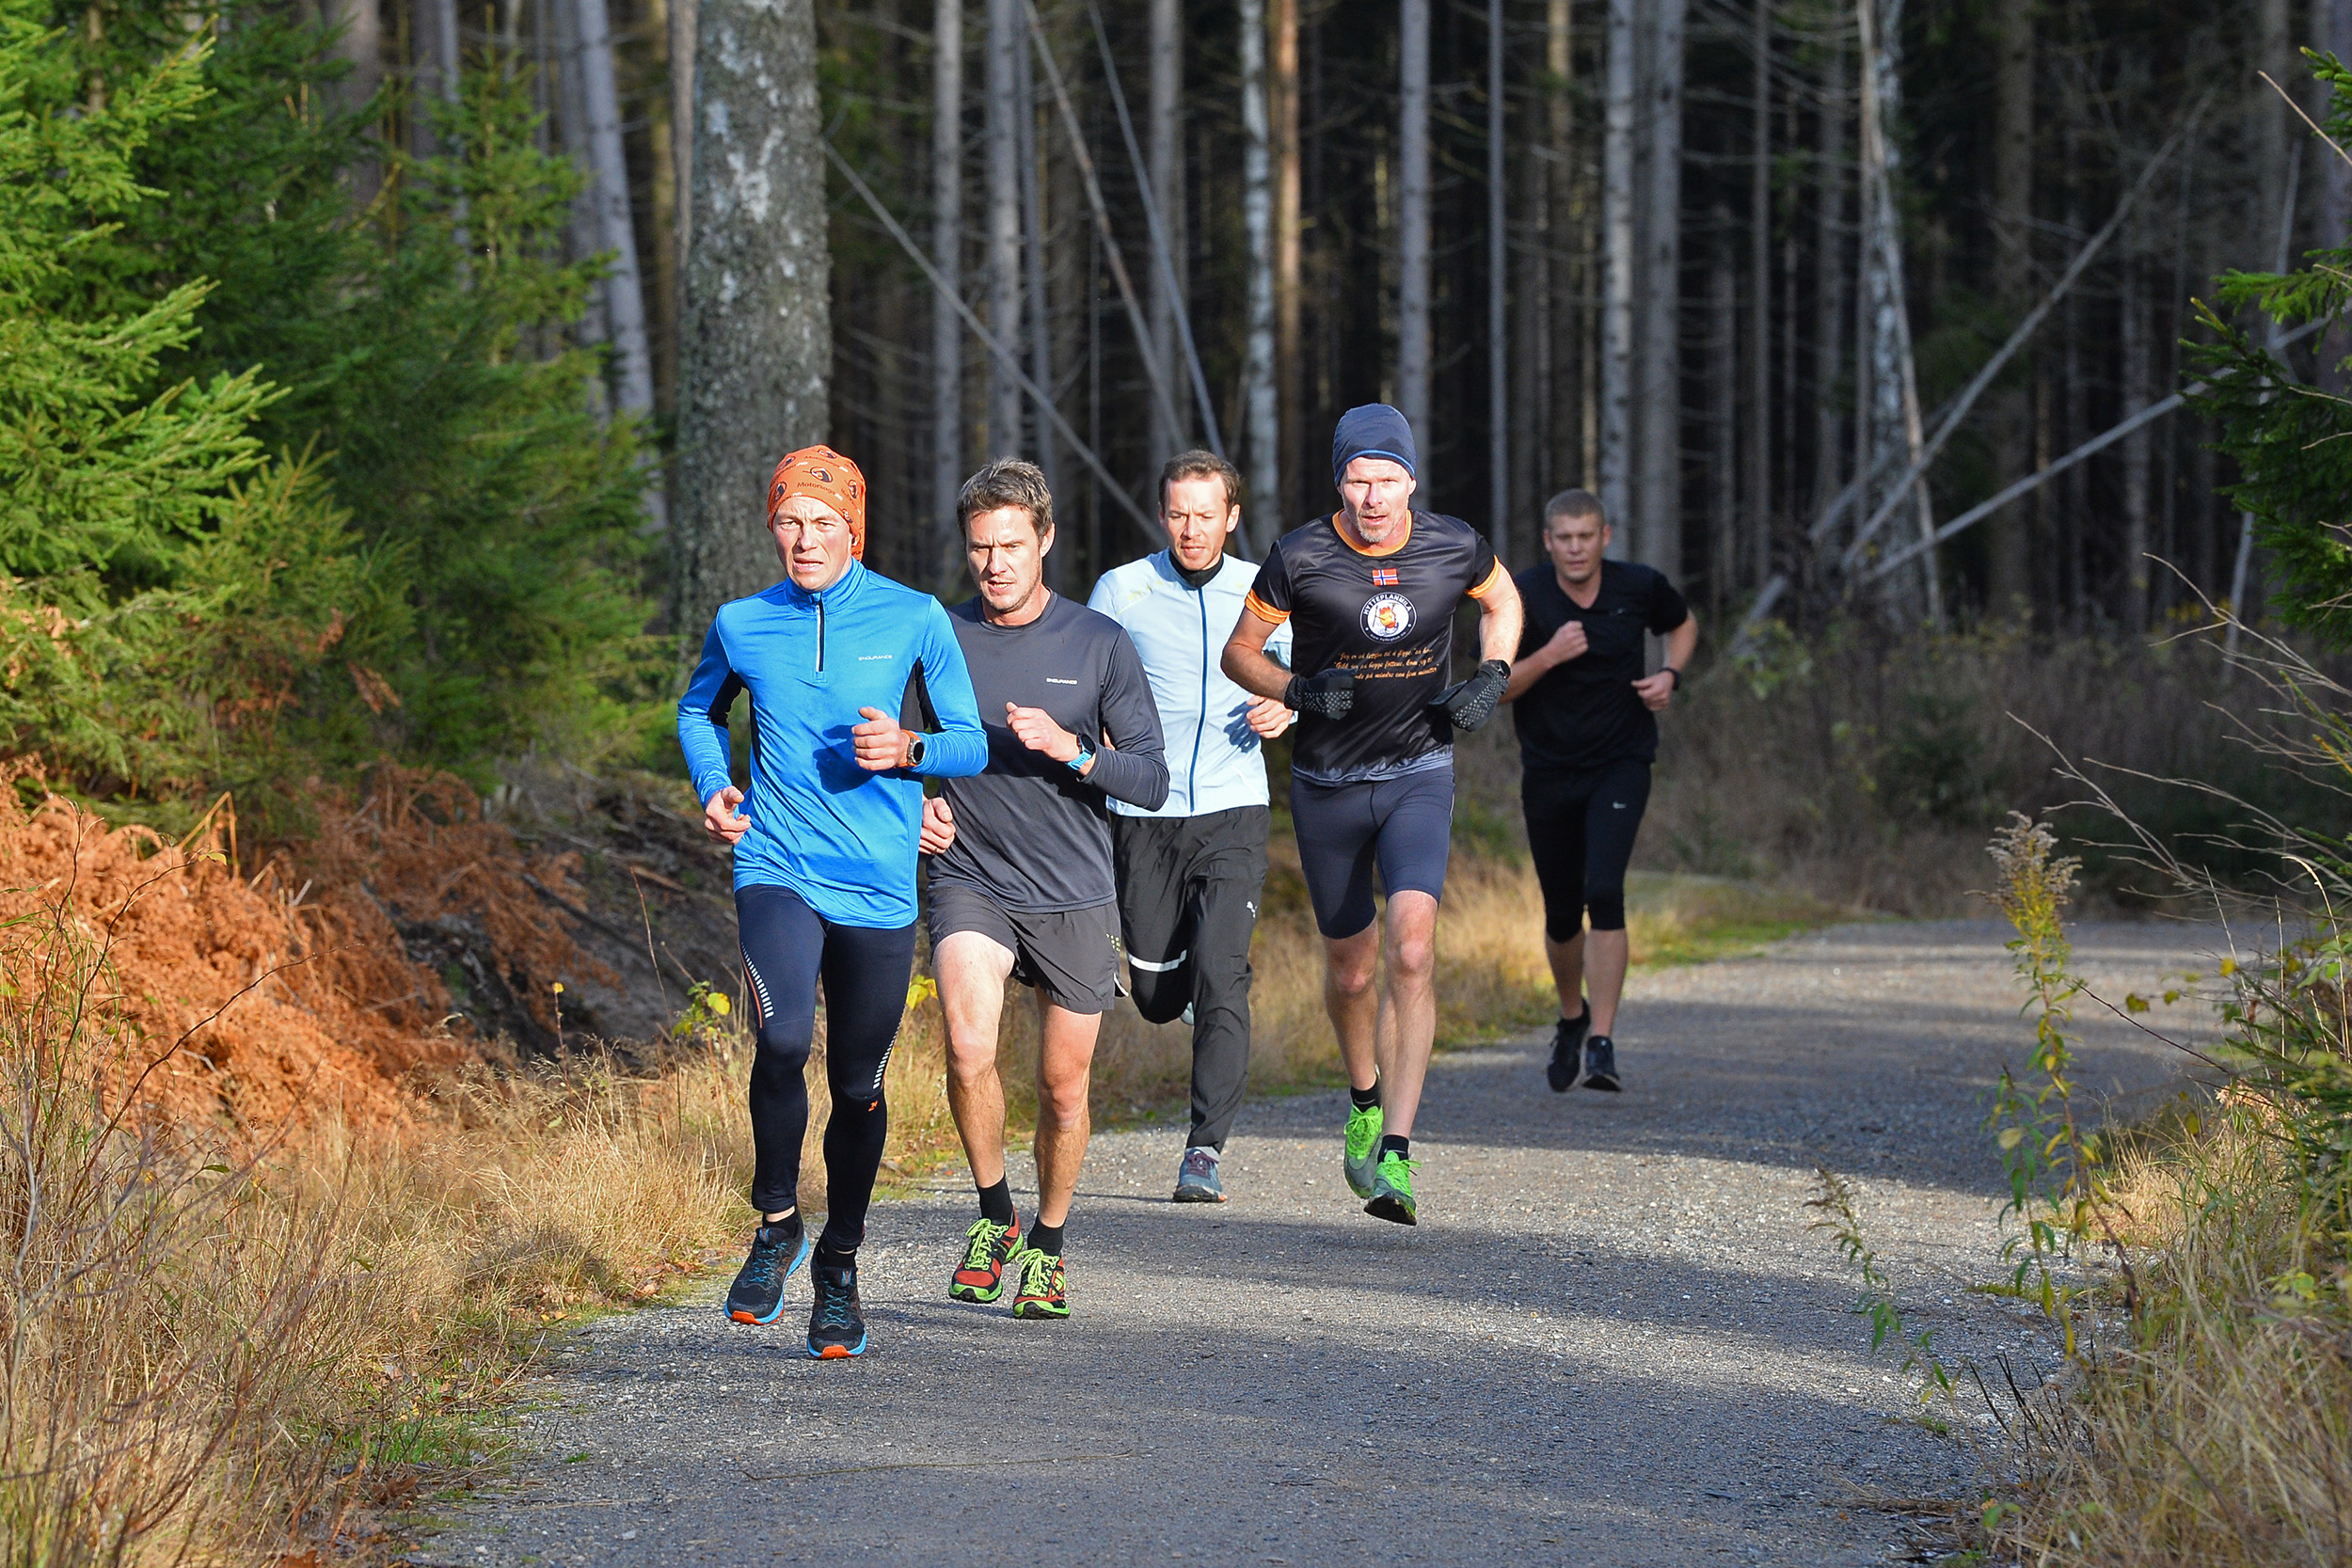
<point x="1264" y="612"/>
<point x="1489" y="586"/>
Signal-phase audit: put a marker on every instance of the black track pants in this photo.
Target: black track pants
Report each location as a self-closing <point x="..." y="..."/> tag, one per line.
<point x="1580" y="833"/>
<point x="787" y="948"/>
<point x="1188" y="889"/>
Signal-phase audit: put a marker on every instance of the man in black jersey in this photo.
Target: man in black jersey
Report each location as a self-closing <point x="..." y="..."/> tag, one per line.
<point x="1369" y="594"/>
<point x="1587" y="722"/>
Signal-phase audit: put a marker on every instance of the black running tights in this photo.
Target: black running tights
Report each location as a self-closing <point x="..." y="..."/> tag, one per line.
<point x="788" y="949"/>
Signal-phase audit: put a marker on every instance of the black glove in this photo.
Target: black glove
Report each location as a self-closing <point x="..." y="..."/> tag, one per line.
<point x="1327" y="694"/>
<point x="1471" y="703"/>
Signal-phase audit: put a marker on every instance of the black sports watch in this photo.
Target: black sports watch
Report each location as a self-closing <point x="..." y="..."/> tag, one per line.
<point x="915" y="750"/>
<point x="1676" y="673"/>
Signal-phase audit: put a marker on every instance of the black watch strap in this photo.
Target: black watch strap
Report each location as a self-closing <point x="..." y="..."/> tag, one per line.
<point x="1676" y="674"/>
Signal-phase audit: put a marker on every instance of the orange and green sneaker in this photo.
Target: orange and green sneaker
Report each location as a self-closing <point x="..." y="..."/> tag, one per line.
<point x="1043" y="1292"/>
<point x="989" y="1249"/>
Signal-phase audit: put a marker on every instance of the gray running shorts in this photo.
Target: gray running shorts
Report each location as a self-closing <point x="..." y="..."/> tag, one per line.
<point x="1073" y="956"/>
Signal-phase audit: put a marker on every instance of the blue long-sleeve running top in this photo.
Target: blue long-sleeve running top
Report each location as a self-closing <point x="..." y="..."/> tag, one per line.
<point x="842" y="838"/>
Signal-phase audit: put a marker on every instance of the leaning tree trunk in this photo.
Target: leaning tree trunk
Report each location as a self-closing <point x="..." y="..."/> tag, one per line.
<point x="1658" y="535"/>
<point x="1256" y="374"/>
<point x="759" y="349"/>
<point x="1412" y="216"/>
<point x="947" y="256"/>
<point x="1004" y="223"/>
<point x="1620" y="256"/>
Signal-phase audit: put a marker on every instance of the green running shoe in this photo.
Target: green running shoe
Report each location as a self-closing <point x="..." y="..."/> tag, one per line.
<point x="1392" y="1191"/>
<point x="1043" y="1289"/>
<point x="1363" y="1143"/>
<point x="989" y="1251"/>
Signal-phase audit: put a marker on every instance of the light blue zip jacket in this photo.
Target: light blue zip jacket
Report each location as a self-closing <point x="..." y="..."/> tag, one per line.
<point x="1213" y="760"/>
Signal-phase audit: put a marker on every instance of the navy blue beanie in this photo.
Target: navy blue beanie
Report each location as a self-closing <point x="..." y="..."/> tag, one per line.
<point x="1375" y="430"/>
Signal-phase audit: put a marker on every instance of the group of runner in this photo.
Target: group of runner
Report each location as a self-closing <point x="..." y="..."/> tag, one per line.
<point x="1102" y="803"/>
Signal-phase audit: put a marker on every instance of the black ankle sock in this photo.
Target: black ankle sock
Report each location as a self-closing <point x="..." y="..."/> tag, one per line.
<point x="996" y="1202"/>
<point x="785" y="1229"/>
<point x="1364" y="1099"/>
<point x="830" y="1256"/>
<point x="1391" y="1144"/>
<point x="1583" y="1014"/>
<point x="1046" y="1238"/>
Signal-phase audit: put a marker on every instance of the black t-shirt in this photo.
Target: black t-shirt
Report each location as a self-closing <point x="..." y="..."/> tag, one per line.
<point x="1585" y="713"/>
<point x="1388" y="616"/>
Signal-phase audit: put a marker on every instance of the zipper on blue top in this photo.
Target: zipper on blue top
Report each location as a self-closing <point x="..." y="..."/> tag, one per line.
<point x="1201" y="720"/>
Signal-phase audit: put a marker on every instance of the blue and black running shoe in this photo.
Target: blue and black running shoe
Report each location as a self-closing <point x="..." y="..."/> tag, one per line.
<point x="778" y="1250"/>
<point x="836" y="1326"/>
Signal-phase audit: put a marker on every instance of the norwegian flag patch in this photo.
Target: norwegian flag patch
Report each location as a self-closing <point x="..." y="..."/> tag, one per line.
<point x="1384" y="577"/>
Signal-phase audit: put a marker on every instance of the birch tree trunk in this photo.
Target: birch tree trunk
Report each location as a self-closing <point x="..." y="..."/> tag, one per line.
<point x="1288" y="503"/>
<point x="2009" y="579"/>
<point x="360" y="44"/>
<point x="607" y="195"/>
<point x="1412" y="216"/>
<point x="1164" y="112"/>
<point x="1891" y="412"/>
<point x="1261" y="522"/>
<point x="1621" y="92"/>
<point x="1658" y="500"/>
<point x="1005" y="37"/>
<point x="947" y="256"/>
<point x="757" y="349"/>
<point x="587" y="227"/>
<point x="1829" y="296"/>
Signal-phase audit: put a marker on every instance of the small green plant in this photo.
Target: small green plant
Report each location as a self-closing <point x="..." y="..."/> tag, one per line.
<point x="1833" y="1197"/>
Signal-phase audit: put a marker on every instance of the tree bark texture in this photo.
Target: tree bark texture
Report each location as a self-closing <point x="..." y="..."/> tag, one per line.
<point x="587" y="225"/>
<point x="1658" y="495"/>
<point x="1760" y="440"/>
<point x="1005" y="37"/>
<point x="1891" y="413"/>
<point x="1621" y="94"/>
<point x="757" y="350"/>
<point x="1288" y="503"/>
<point x="2009" y="579"/>
<point x="607" y="194"/>
<point x="2132" y="306"/>
<point x="1265" y="432"/>
<point x="1829" y="296"/>
<point x="947" y="256"/>
<point x="1412" y="216"/>
<point x="1040" y="314"/>
<point x="1498" y="295"/>
<point x="358" y="43"/>
<point x="1164" y="130"/>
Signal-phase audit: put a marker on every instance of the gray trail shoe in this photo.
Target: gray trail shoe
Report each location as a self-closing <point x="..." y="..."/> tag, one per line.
<point x="1197" y="1178"/>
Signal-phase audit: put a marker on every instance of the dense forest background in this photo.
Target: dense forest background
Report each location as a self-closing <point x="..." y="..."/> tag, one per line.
<point x="379" y="385"/>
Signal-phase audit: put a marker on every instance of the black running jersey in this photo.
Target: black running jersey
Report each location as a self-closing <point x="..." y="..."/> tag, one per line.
<point x="1387" y="615"/>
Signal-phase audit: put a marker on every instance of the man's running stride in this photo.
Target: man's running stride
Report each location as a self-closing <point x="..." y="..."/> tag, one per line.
<point x="825" y="856"/>
<point x="1370" y="594"/>
<point x="1190" y="873"/>
<point x="1587" y="722"/>
<point x="1025" y="889"/>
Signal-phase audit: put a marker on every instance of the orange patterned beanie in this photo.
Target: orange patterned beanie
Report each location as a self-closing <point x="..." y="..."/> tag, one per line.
<point x="831" y="478"/>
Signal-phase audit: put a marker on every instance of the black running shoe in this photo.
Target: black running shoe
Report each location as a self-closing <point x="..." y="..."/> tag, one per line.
<point x="837" y="1325"/>
<point x="777" y="1253"/>
<point x="1600" y="1064"/>
<point x="1568" y="1047"/>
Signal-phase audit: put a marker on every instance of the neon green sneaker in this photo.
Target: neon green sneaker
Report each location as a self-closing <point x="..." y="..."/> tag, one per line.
<point x="1043" y="1285"/>
<point x="1363" y="1141"/>
<point x="1392" y="1191"/>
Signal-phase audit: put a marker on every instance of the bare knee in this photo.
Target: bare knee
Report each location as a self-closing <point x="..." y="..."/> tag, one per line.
<point x="1062" y="1099"/>
<point x="969" y="1057"/>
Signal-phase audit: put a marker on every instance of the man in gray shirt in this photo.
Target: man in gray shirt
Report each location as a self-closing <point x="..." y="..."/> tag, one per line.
<point x="1025" y="890"/>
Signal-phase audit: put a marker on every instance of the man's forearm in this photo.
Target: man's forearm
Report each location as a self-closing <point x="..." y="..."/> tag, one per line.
<point x="1500" y="626"/>
<point x="1255" y="673"/>
<point x="1682" y="642"/>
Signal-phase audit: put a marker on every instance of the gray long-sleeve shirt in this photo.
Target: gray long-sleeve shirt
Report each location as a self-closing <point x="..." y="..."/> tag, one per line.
<point x="1030" y="833"/>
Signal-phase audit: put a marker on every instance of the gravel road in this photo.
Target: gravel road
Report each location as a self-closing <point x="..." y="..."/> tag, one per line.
<point x="1611" y="1340"/>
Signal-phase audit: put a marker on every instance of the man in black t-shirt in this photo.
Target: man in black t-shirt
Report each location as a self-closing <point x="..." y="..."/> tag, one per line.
<point x="1587" y="720"/>
<point x="1369" y="594"/>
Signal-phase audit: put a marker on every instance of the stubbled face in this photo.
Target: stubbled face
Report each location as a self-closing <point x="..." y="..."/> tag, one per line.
<point x="1198" y="516"/>
<point x="812" y="541"/>
<point x="1576" y="545"/>
<point x="1006" y="558"/>
<point x="1377" y="495"/>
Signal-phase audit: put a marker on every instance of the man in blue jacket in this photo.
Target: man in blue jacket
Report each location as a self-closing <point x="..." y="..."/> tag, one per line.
<point x="825" y="856"/>
<point x="1190" y="873"/>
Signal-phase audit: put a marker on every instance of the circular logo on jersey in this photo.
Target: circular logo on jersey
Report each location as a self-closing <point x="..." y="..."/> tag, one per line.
<point x="1388" y="616"/>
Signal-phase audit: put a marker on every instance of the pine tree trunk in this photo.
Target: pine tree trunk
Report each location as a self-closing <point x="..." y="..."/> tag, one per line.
<point x="1498" y="295"/>
<point x="436" y="53"/>
<point x="661" y="262"/>
<point x="1619" y="205"/>
<point x="1760" y="442"/>
<point x="1040" y="316"/>
<point x="607" y="195"/>
<point x="1722" y="386"/>
<point x="1005" y="37"/>
<point x="587" y="227"/>
<point x="1568" y="275"/>
<point x="360" y="44"/>
<point x="1412" y="216"/>
<point x="1535" y="377"/>
<point x="2133" y="307"/>
<point x="2009" y="555"/>
<point x="1165" y="129"/>
<point x="1657" y="540"/>
<point x="1891" y="411"/>
<point x="947" y="256"/>
<point x="1288" y="502"/>
<point x="2331" y="21"/>
<point x="757" y="344"/>
<point x="1829" y="295"/>
<point x="683" y="15"/>
<point x="1257" y="376"/>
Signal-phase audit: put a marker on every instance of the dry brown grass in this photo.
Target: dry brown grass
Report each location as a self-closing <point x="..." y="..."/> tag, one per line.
<point x="2221" y="1433"/>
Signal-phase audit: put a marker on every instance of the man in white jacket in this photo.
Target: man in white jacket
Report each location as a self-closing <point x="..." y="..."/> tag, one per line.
<point x="1190" y="874"/>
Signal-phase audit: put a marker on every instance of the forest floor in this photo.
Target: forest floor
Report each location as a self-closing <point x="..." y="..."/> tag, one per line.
<point x="1613" y="1334"/>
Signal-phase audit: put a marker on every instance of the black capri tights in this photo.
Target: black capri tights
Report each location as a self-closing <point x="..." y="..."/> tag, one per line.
<point x="787" y="948"/>
<point x="1580" y="830"/>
